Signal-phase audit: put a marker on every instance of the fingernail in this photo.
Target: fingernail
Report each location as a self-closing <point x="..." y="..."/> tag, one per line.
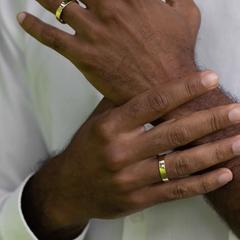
<point x="209" y="79"/>
<point x="225" y="177"/>
<point x="21" y="17"/>
<point x="234" y="115"/>
<point x="236" y="147"/>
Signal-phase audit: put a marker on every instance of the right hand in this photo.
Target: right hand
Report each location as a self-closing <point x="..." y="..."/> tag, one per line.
<point x="110" y="168"/>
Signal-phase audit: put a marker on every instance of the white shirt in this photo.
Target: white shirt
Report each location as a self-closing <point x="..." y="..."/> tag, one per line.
<point x="44" y="100"/>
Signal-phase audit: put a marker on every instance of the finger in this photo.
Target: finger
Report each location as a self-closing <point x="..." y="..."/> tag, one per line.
<point x="48" y="35"/>
<point x="183" y="131"/>
<point x="157" y="102"/>
<point x="180" y="164"/>
<point x="73" y="14"/>
<point x="184" y="188"/>
<point x="189" y="9"/>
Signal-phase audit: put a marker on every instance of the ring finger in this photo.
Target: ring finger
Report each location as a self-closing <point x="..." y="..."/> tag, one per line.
<point x="73" y="14"/>
<point x="185" y="163"/>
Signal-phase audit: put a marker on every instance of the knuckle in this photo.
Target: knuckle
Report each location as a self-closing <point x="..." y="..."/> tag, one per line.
<point x="216" y="121"/>
<point x="178" y="136"/>
<point x="122" y="183"/>
<point x="180" y="191"/>
<point x="182" y="167"/>
<point x="192" y="87"/>
<point x="103" y="128"/>
<point x="158" y="101"/>
<point x="205" y="186"/>
<point x="114" y="159"/>
<point x="219" y="153"/>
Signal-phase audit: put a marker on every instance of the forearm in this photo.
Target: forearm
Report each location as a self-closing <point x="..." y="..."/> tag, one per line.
<point x="226" y="200"/>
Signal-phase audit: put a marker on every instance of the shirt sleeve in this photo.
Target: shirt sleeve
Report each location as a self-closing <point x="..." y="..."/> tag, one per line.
<point x="12" y="222"/>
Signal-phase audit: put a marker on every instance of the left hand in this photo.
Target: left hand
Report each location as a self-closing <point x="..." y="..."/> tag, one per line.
<point x="110" y="168"/>
<point x="124" y="47"/>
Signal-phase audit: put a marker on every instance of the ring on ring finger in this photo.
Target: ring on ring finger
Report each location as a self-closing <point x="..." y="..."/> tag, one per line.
<point x="162" y="169"/>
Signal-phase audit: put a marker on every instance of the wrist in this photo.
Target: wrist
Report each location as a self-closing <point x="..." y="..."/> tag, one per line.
<point x="47" y="216"/>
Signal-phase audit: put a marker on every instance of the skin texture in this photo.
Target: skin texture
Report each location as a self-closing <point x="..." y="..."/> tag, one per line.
<point x="111" y="146"/>
<point x="124" y="47"/>
<point x="127" y="47"/>
<point x="225" y="200"/>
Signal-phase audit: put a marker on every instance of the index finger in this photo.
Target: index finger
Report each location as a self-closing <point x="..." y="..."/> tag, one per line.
<point x="155" y="103"/>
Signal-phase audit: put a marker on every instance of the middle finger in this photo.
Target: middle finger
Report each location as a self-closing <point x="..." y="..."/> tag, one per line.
<point x="181" y="132"/>
<point x="188" y="162"/>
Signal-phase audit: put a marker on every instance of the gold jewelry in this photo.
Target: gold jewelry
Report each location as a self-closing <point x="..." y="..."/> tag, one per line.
<point x="162" y="169"/>
<point x="60" y="9"/>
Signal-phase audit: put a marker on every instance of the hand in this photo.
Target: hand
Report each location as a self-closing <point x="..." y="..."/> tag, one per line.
<point x="126" y="48"/>
<point x="227" y="207"/>
<point x="110" y="168"/>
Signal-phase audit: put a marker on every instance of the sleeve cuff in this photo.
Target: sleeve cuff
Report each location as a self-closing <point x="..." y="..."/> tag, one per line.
<point x="84" y="233"/>
<point x="12" y="222"/>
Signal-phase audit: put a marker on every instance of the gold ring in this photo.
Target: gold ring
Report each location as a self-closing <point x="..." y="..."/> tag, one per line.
<point x="60" y="9"/>
<point x="162" y="170"/>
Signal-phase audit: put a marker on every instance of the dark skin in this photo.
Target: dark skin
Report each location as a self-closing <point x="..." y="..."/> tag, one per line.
<point x="149" y="39"/>
<point x="225" y="200"/>
<point x="113" y="146"/>
<point x="119" y="54"/>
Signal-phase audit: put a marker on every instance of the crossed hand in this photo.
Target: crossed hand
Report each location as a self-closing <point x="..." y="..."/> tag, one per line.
<point x="140" y="55"/>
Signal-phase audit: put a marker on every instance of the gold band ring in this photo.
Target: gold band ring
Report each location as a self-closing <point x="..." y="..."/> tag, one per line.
<point x="60" y="9"/>
<point x="162" y="169"/>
